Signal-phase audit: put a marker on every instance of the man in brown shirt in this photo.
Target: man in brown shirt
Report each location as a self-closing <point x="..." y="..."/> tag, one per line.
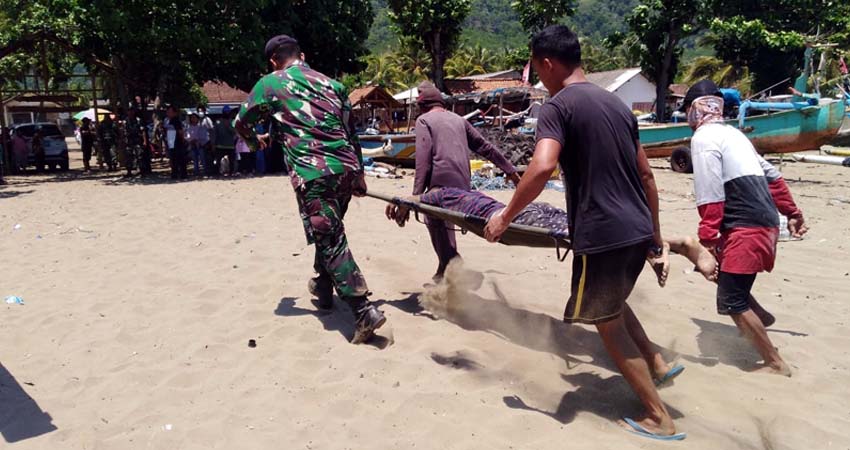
<point x="443" y="142"/>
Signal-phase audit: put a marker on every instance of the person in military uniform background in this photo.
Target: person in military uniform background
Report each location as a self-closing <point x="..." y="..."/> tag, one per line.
<point x="310" y="114"/>
<point x="136" y="136"/>
<point x="87" y="136"/>
<point x="107" y="136"/>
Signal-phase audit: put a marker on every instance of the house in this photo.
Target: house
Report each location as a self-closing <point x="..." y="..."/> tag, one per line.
<point x="373" y="103"/>
<point x="25" y="110"/>
<point x="220" y="95"/>
<point x="484" y="82"/>
<point x="629" y="85"/>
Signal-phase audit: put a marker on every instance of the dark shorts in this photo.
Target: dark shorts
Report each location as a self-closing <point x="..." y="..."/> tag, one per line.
<point x="733" y="292"/>
<point x="87" y="151"/>
<point x="602" y="282"/>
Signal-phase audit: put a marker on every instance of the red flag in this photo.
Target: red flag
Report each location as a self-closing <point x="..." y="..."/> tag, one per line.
<point x="843" y="65"/>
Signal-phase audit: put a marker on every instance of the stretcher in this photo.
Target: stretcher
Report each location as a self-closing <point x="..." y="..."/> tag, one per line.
<point x="515" y="235"/>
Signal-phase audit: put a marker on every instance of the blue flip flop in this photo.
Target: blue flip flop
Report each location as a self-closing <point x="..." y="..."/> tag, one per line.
<point x="641" y="431"/>
<point x="671" y="374"/>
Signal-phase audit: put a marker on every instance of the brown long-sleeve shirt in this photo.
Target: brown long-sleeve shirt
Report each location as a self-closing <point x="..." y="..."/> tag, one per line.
<point x="443" y="142"/>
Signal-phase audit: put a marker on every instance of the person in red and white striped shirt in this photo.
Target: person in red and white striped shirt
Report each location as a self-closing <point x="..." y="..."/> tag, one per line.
<point x="738" y="194"/>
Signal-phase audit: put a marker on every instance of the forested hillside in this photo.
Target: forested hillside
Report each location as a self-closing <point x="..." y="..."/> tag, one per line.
<point x="493" y="24"/>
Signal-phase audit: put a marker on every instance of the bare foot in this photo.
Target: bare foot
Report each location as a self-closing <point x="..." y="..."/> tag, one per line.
<point x="661" y="265"/>
<point x="661" y="427"/>
<point x="779" y="368"/>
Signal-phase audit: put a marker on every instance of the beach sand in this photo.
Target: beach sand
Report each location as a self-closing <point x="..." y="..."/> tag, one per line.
<point x="141" y="296"/>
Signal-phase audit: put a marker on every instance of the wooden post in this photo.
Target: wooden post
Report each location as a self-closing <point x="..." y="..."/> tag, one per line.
<point x="45" y="73"/>
<point x="501" y="112"/>
<point x="94" y="97"/>
<point x="409" y="109"/>
<point x="7" y="157"/>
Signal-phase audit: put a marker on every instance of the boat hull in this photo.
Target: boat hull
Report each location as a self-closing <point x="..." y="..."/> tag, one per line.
<point x="843" y="138"/>
<point x="399" y="149"/>
<point x="781" y="132"/>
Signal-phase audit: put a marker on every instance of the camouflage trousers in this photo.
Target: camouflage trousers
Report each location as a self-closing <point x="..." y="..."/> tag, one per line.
<point x="132" y="156"/>
<point x="323" y="203"/>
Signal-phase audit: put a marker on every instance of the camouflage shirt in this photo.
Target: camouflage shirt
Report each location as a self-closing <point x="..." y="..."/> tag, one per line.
<point x="310" y="113"/>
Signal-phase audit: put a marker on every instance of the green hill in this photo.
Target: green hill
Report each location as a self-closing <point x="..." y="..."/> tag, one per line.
<point x="493" y="24"/>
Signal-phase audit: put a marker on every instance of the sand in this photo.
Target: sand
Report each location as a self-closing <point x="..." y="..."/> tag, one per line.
<point x="141" y="296"/>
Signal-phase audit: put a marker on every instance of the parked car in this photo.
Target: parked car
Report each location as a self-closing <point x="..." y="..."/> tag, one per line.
<point x="55" y="148"/>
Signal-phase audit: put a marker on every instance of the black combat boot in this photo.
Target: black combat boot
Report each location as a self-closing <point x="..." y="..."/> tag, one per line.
<point x="322" y="288"/>
<point x="368" y="318"/>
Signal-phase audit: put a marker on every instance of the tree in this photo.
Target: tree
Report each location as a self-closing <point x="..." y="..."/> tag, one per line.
<point x="535" y="15"/>
<point x="332" y="33"/>
<point x="21" y="19"/>
<point x="382" y="70"/>
<point x="193" y="41"/>
<point x="471" y="61"/>
<point x="770" y="40"/>
<point x="722" y="73"/>
<point x="180" y="45"/>
<point x="599" y="58"/>
<point x="657" y="29"/>
<point x="436" y="24"/>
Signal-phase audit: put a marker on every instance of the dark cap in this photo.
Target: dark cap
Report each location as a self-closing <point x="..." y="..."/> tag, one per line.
<point x="278" y="41"/>
<point x="700" y="89"/>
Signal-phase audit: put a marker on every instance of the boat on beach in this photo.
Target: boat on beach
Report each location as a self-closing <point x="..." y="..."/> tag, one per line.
<point x="843" y="137"/>
<point x="783" y="128"/>
<point x="798" y="127"/>
<point x="399" y="149"/>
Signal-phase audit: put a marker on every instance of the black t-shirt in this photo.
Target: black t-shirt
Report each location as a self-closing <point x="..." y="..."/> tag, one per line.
<point x="605" y="198"/>
<point x="87" y="136"/>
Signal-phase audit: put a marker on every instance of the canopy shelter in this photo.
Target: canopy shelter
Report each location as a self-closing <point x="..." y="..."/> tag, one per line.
<point x="89" y="114"/>
<point x="408" y="96"/>
<point x="373" y="102"/>
<point x="516" y="234"/>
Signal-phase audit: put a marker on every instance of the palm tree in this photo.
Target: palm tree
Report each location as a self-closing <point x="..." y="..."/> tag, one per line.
<point x="719" y="71"/>
<point x="382" y="70"/>
<point x="467" y="61"/>
<point x="414" y="63"/>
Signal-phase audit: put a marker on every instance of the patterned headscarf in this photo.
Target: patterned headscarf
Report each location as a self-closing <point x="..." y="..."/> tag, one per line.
<point x="706" y="109"/>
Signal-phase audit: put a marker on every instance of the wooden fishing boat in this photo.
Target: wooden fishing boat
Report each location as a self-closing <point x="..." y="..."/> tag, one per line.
<point x="843" y="137"/>
<point x="795" y="128"/>
<point x="399" y="149"/>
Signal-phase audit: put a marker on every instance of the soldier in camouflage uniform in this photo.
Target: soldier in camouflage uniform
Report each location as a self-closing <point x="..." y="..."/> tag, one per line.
<point x="310" y="113"/>
<point x="107" y="136"/>
<point x="136" y="136"/>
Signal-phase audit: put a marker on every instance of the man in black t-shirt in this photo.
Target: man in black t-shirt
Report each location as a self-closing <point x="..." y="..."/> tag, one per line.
<point x="87" y="142"/>
<point x="612" y="204"/>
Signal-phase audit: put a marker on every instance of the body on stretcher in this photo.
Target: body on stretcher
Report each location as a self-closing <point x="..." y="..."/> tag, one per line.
<point x="516" y="234"/>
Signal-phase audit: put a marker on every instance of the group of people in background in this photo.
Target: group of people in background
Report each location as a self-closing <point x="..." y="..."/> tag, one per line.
<point x="210" y="145"/>
<point x="127" y="140"/>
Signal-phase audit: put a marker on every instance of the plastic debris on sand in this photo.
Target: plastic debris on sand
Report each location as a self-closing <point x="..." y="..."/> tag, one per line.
<point x="14" y="300"/>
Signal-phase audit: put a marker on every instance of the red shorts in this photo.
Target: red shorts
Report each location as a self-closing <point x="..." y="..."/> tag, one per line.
<point x="747" y="250"/>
